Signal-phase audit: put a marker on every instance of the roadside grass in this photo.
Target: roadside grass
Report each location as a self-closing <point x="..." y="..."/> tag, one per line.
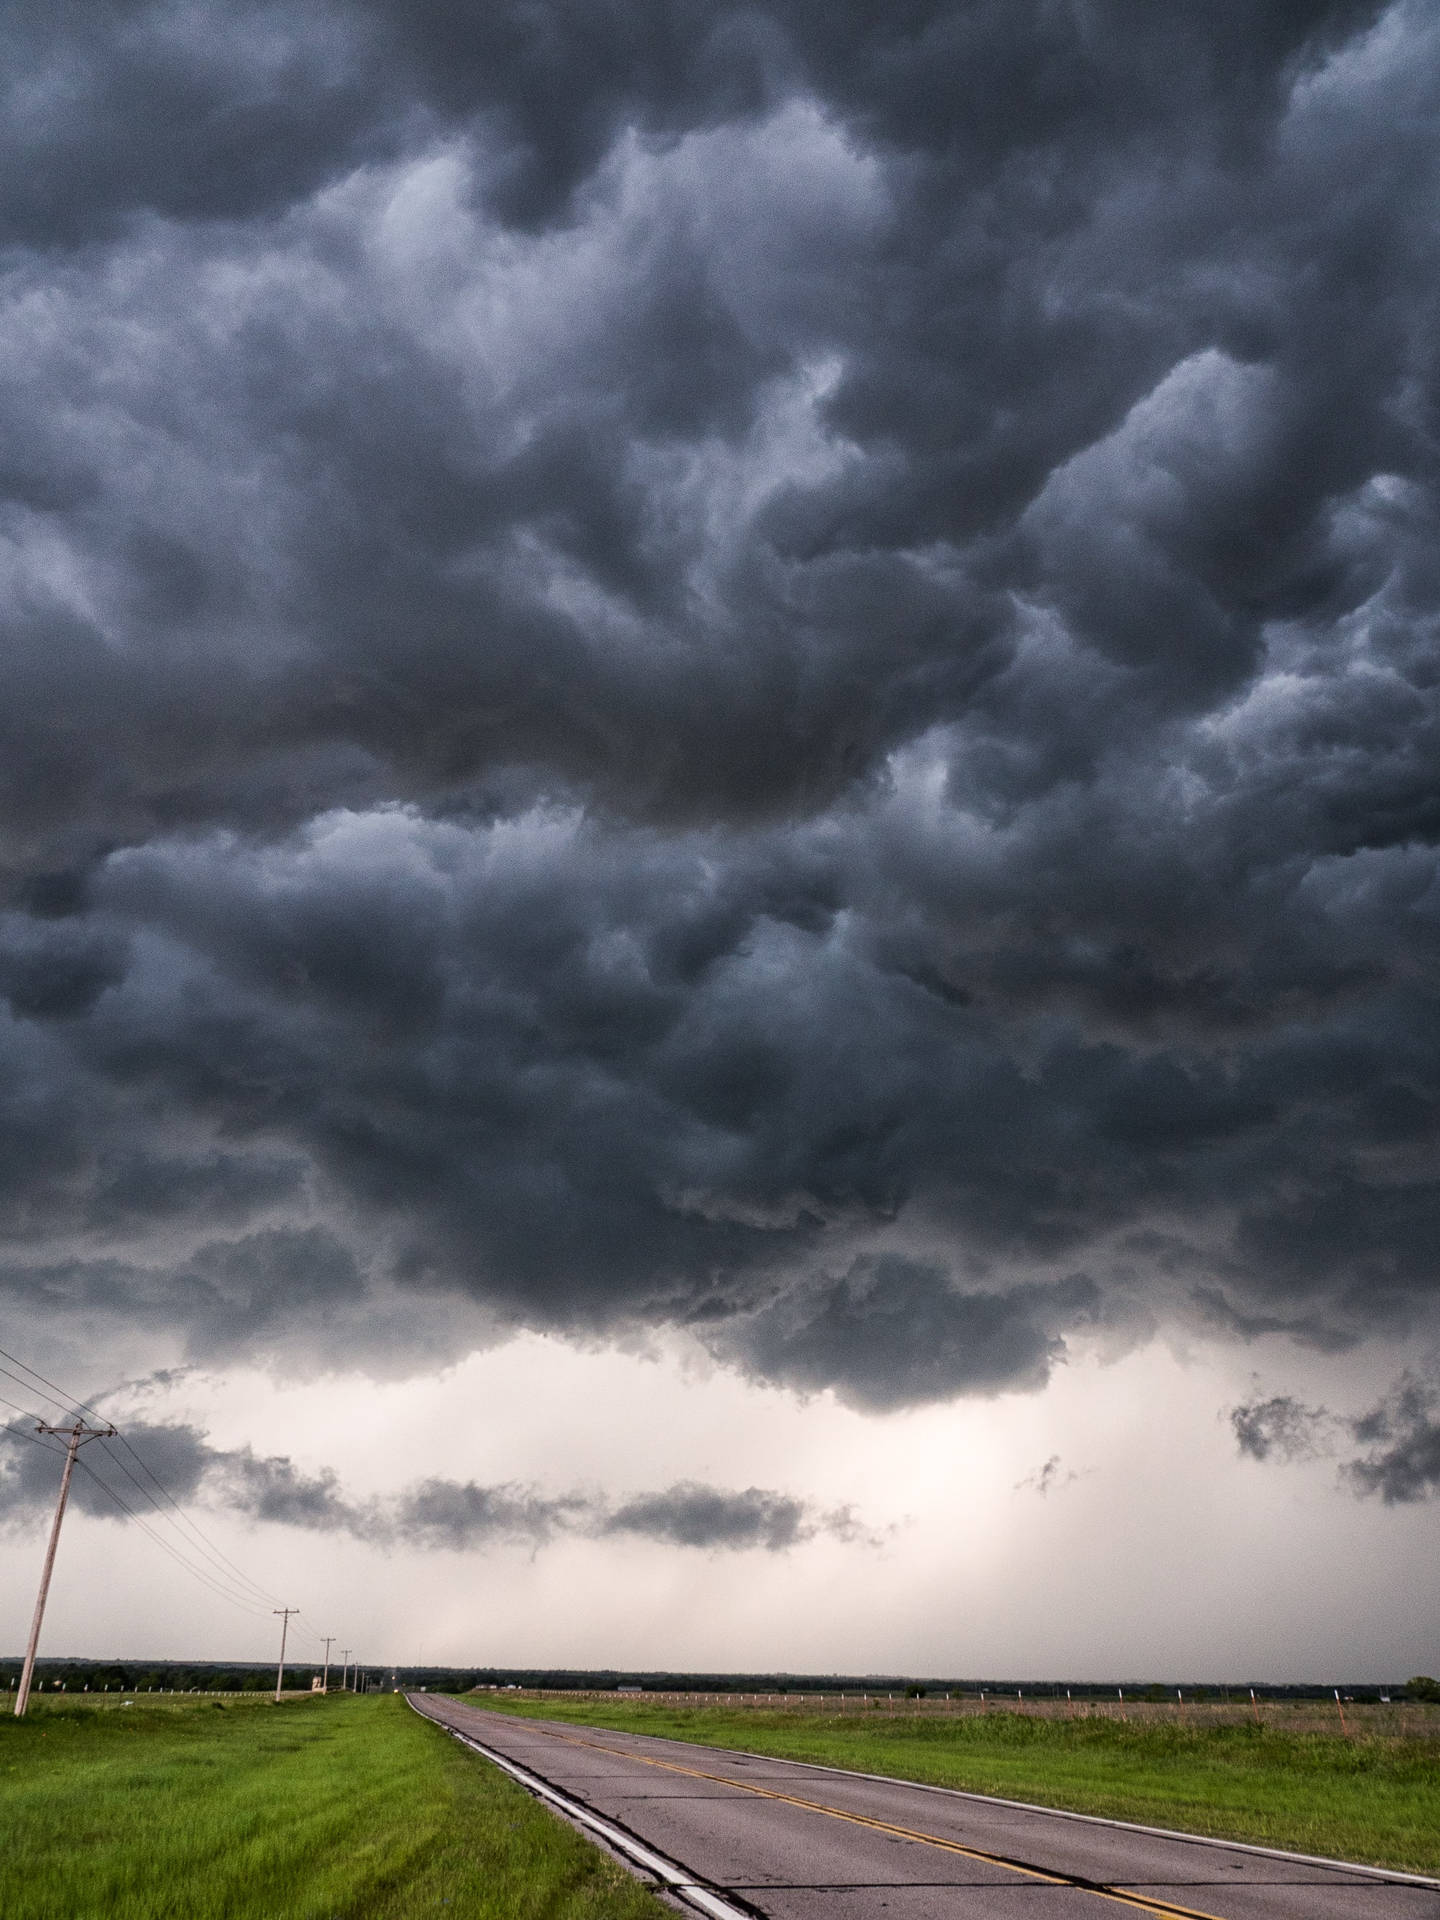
<point x="1368" y="1799"/>
<point x="332" y="1809"/>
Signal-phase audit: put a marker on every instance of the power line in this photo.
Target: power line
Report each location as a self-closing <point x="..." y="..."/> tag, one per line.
<point x="65" y="1401"/>
<point x="199" y="1573"/>
<point x="65" y="1404"/>
<point x="193" y="1525"/>
<point x="218" y="1559"/>
<point x="28" y="1412"/>
<point x="242" y="1601"/>
<point x="69" y="1402"/>
<point x="19" y="1433"/>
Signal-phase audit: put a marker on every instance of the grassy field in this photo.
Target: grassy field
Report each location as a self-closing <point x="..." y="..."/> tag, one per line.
<point x="315" y="1810"/>
<point x="1370" y="1798"/>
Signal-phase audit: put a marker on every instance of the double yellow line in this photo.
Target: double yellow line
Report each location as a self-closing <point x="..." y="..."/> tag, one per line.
<point x="1141" y="1902"/>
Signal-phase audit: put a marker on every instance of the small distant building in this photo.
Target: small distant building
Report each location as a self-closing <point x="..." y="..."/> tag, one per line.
<point x="317" y="1685"/>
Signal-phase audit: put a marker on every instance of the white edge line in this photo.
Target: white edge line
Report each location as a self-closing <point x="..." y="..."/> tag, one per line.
<point x="667" y="1871"/>
<point x="1392" y="1874"/>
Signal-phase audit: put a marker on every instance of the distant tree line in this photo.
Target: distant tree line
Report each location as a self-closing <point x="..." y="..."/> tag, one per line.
<point x="127" y="1676"/>
<point x="568" y="1679"/>
<point x="133" y="1676"/>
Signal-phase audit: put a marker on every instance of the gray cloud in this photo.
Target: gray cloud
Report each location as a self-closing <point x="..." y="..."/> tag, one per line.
<point x="766" y="671"/>
<point x="1047" y="1478"/>
<point x="691" y="1515"/>
<point x="274" y="1489"/>
<point x="1281" y="1428"/>
<point x="434" y="1515"/>
<point x="457" y="1515"/>
<point x="1402" y="1437"/>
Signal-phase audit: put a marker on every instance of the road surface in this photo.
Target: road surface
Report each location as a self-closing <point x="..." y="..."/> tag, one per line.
<point x="756" y="1836"/>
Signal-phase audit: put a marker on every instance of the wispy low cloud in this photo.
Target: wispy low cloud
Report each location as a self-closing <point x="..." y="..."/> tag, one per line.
<point x="1282" y="1428"/>
<point x="1048" y="1479"/>
<point x="1400" y="1438"/>
<point x="273" y="1488"/>
<point x="455" y="1515"/>
<point x="435" y="1514"/>
<point x="691" y="1514"/>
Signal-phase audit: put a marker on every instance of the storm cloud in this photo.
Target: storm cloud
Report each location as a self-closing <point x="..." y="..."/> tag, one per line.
<point x="763" y="671"/>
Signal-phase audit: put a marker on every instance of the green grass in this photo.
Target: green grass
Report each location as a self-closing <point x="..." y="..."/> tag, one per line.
<point x="1371" y="1799"/>
<point x="315" y="1810"/>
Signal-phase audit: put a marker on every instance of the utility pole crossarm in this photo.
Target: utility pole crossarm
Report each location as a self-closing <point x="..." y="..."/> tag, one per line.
<point x="75" y="1437"/>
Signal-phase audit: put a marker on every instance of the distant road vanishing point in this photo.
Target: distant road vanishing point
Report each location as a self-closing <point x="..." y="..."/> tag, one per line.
<point x="733" y="1835"/>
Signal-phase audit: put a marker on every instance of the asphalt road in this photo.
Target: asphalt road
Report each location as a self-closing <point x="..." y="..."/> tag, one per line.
<point x="795" y="1843"/>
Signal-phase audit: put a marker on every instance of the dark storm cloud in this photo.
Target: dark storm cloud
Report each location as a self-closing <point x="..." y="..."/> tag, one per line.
<point x="769" y="670"/>
<point x="891" y="1331"/>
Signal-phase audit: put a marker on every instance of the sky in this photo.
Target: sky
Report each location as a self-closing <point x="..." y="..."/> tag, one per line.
<point x="719" y="785"/>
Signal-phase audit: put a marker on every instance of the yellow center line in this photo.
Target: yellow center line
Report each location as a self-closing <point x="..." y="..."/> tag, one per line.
<point x="1145" y="1903"/>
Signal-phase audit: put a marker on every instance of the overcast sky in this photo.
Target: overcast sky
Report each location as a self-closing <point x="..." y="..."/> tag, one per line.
<point x="719" y="783"/>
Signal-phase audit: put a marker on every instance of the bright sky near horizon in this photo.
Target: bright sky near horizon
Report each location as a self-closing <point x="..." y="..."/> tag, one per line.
<point x="719" y="748"/>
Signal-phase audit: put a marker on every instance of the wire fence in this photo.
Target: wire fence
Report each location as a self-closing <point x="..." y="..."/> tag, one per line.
<point x="1410" y="1720"/>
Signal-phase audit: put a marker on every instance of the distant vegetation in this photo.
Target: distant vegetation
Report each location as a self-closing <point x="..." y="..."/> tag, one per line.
<point x="73" y="1676"/>
<point x="202" y="1676"/>
<point x="1364" y="1797"/>
<point x="336" y="1809"/>
<point x="608" y="1679"/>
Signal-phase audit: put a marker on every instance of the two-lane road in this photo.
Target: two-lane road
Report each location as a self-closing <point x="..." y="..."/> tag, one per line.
<point x="793" y="1842"/>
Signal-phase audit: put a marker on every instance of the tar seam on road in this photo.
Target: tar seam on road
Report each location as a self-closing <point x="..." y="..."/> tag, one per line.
<point x="1144" y="1903"/>
<point x="1389" y="1875"/>
<point x="1141" y="1902"/>
<point x="675" y="1878"/>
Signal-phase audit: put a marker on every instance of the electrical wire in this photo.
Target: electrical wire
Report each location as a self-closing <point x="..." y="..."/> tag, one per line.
<point x="218" y="1559"/>
<point x="62" y="1404"/>
<point x="19" y="1433"/>
<point x="208" y="1546"/>
<point x="39" y="1418"/>
<point x="164" y="1545"/>
<point x="212" y="1552"/>
<point x="223" y="1565"/>
<point x="79" y="1405"/>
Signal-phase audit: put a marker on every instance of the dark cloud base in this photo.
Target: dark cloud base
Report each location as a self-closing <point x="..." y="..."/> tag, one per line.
<point x="766" y="671"/>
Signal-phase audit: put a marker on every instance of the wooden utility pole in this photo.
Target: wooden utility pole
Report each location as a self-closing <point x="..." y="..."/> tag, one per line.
<point x="75" y="1438"/>
<point x="285" y="1613"/>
